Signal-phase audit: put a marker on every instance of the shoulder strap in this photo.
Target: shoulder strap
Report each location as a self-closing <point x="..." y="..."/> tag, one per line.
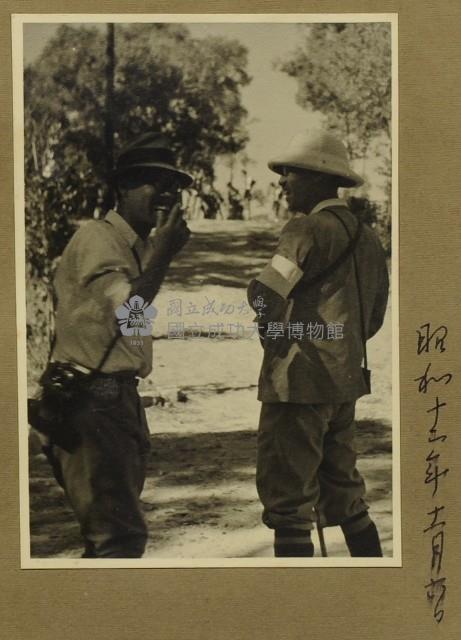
<point x="106" y="354"/>
<point x="359" y="289"/>
<point x="112" y="343"/>
<point x="323" y="275"/>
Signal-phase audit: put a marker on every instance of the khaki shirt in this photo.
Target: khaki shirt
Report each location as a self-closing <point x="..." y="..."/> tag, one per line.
<point x="93" y="279"/>
<point x="324" y="365"/>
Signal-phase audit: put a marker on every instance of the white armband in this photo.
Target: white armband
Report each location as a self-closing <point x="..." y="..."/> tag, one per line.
<point x="280" y="275"/>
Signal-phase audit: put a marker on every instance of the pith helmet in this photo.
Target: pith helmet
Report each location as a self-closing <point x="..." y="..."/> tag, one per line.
<point x="150" y="150"/>
<point x="318" y="151"/>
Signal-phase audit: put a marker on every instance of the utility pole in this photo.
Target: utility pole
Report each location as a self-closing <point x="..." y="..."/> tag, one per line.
<point x="109" y="114"/>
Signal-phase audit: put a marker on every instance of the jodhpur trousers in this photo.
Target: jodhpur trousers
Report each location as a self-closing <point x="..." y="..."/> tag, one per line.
<point x="307" y="460"/>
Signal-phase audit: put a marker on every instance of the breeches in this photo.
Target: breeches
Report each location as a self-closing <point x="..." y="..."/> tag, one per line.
<point x="103" y="478"/>
<point x="306" y="460"/>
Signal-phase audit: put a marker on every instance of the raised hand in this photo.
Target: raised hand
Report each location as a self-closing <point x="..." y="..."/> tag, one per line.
<point x="171" y="232"/>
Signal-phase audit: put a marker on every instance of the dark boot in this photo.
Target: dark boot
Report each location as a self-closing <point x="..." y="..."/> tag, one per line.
<point x="293" y="543"/>
<point x="364" y="543"/>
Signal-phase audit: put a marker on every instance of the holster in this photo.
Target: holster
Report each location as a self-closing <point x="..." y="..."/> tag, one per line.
<point x="61" y="386"/>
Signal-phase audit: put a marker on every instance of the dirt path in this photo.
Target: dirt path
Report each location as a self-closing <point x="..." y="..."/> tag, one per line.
<point x="200" y="498"/>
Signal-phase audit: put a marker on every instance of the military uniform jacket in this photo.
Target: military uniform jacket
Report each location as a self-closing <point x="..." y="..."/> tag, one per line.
<point x="313" y="347"/>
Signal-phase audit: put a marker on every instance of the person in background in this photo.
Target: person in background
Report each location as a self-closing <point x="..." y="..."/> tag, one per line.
<point x="234" y="199"/>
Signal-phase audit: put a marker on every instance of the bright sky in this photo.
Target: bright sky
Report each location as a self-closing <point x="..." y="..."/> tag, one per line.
<point x="274" y="116"/>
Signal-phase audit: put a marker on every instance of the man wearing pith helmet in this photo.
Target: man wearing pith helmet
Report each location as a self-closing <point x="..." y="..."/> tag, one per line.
<point x="106" y="264"/>
<point x="320" y="298"/>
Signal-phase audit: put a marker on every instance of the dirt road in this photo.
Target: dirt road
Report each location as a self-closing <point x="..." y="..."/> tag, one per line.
<point x="200" y="498"/>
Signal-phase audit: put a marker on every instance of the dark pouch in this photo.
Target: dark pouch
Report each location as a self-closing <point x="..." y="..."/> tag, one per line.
<point x="49" y="414"/>
<point x="48" y="418"/>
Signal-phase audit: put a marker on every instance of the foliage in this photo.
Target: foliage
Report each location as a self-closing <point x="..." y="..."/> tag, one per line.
<point x="189" y="88"/>
<point x="165" y="80"/>
<point x="383" y="228"/>
<point x="344" y="71"/>
<point x="364" y="210"/>
<point x="39" y="329"/>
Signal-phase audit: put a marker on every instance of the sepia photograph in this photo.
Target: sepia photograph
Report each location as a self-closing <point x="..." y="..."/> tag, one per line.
<point x="206" y="212"/>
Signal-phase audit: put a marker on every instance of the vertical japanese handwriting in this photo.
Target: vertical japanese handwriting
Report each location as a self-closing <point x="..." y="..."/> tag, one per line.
<point x="432" y="343"/>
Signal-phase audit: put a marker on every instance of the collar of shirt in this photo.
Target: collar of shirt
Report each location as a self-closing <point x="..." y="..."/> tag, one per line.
<point x="333" y="202"/>
<point x="126" y="231"/>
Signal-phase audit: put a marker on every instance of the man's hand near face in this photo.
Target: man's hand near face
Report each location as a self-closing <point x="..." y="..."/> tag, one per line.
<point x="171" y="234"/>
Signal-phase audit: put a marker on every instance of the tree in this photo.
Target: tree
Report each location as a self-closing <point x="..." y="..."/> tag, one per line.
<point x="344" y="71"/>
<point x="188" y="88"/>
<point x="62" y="180"/>
<point x="164" y="80"/>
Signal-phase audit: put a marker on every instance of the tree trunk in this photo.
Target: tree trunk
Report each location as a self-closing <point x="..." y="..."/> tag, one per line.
<point x="109" y="115"/>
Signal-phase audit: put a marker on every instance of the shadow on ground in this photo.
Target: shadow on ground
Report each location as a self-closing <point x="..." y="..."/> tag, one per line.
<point x="189" y="482"/>
<point x="203" y="479"/>
<point x="227" y="258"/>
<point x="374" y="437"/>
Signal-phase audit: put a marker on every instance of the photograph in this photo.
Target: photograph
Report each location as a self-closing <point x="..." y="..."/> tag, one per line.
<point x="207" y="273"/>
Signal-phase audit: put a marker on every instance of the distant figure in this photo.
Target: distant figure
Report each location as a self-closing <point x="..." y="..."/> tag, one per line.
<point x="275" y="194"/>
<point x="320" y="298"/>
<point x="190" y="202"/>
<point x="235" y="202"/>
<point x="211" y="201"/>
<point x="248" y="197"/>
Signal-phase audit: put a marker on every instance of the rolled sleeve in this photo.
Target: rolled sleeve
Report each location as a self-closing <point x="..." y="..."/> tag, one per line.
<point x="101" y="267"/>
<point x="112" y="287"/>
